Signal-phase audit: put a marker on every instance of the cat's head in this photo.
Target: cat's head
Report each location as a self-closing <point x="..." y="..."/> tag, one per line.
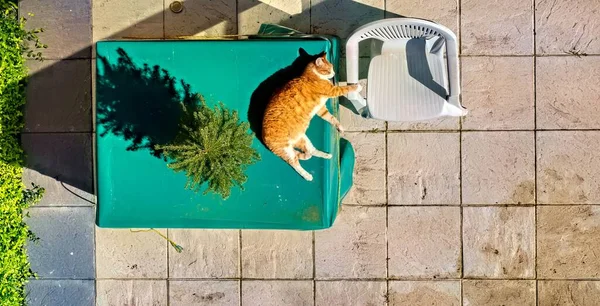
<point x="319" y="65"/>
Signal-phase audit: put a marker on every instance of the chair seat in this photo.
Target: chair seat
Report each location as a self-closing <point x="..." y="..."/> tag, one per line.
<point x="407" y="82"/>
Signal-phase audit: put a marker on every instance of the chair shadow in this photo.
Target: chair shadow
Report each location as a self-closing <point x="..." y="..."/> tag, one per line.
<point x="418" y="66"/>
<point x="141" y="104"/>
<point x="265" y="90"/>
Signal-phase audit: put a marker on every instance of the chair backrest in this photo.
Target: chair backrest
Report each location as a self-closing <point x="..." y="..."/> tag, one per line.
<point x="396" y="29"/>
<point x="399" y="31"/>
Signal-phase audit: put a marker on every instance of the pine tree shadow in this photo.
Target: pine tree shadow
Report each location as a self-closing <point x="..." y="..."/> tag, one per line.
<point x="263" y="93"/>
<point x="141" y="104"/>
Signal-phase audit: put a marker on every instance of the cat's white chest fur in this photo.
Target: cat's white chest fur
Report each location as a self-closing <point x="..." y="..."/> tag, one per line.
<point x="318" y="107"/>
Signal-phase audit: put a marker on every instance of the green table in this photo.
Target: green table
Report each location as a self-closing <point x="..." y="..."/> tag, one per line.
<point x="137" y="106"/>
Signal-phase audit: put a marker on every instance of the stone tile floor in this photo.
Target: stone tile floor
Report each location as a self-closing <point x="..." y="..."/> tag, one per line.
<point x="500" y="208"/>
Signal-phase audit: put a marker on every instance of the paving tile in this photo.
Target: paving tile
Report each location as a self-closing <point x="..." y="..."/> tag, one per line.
<point x="207" y="254"/>
<point x="67" y="26"/>
<point x="567" y="171"/>
<point x="438" y="124"/>
<point x="342" y="17"/>
<point x="59" y="96"/>
<point x="275" y="293"/>
<point x="201" y="18"/>
<point x="292" y="14"/>
<point x="499" y="242"/>
<point x="441" y="11"/>
<point x="569" y="293"/>
<point x="424" y="293"/>
<point x="65" y="248"/>
<point x="424" y="242"/>
<point x="60" y="292"/>
<point x="131" y="292"/>
<point x="423" y="168"/>
<point x="123" y="253"/>
<point x="498" y="91"/>
<point x="498" y="167"/>
<point x="134" y="19"/>
<point x="354" y="247"/>
<point x="567" y="92"/>
<point x="60" y="162"/>
<point x="277" y="254"/>
<point x="342" y="293"/>
<point x="353" y="122"/>
<point x="497" y="28"/>
<point x="567" y="242"/>
<point x="564" y="26"/>
<point x="498" y="292"/>
<point x="197" y="293"/>
<point x="369" y="170"/>
<point x="57" y="193"/>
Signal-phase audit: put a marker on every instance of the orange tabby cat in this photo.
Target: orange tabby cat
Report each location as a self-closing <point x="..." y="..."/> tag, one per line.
<point x="291" y="108"/>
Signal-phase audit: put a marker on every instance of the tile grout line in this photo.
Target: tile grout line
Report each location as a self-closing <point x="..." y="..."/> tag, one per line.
<point x="52" y="58"/>
<point x="530" y="55"/>
<point x="460" y="181"/>
<point x="237" y="17"/>
<point x="95" y="265"/>
<point x="380" y="279"/>
<point x="310" y="17"/>
<point x="240" y="261"/>
<point x="93" y="143"/>
<point x="535" y="152"/>
<point x="314" y="269"/>
<point x="387" y="202"/>
<point x="362" y="57"/>
<point x="387" y="222"/>
<point x="55" y="132"/>
<point x="168" y="274"/>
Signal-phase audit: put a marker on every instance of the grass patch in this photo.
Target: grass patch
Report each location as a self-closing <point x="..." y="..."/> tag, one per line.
<point x="15" y="43"/>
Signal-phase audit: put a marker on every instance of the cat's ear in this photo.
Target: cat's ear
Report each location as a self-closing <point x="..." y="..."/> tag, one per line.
<point x="322" y="54"/>
<point x="302" y="52"/>
<point x="319" y="62"/>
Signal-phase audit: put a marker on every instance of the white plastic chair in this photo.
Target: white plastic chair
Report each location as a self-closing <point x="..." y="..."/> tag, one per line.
<point x="411" y="80"/>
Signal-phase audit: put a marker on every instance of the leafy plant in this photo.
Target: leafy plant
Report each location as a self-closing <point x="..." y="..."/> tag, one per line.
<point x="15" y="43"/>
<point x="212" y="147"/>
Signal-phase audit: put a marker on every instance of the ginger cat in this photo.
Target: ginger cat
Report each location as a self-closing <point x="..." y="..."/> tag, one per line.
<point x="291" y="108"/>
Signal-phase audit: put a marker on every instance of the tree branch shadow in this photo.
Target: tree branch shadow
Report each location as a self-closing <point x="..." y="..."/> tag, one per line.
<point x="140" y="104"/>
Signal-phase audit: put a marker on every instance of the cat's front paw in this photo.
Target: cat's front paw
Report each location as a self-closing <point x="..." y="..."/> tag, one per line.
<point x="356" y="88"/>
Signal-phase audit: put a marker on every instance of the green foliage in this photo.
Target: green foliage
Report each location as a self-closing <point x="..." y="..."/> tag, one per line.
<point x="15" y="41"/>
<point x="212" y="147"/>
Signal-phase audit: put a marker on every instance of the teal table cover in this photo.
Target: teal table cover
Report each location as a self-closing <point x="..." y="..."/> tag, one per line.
<point x="139" y="85"/>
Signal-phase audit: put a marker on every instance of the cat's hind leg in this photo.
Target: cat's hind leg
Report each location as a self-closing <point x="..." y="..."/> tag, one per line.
<point x="303" y="153"/>
<point x="305" y="145"/>
<point x="291" y="156"/>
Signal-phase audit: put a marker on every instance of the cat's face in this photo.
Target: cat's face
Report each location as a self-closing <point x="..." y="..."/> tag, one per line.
<point x="322" y="67"/>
